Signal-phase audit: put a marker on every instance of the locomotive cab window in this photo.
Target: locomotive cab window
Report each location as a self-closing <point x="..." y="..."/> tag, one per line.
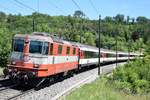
<point x="68" y="50"/>
<point x="36" y="47"/>
<point x="18" y="45"/>
<point x="59" y="49"/>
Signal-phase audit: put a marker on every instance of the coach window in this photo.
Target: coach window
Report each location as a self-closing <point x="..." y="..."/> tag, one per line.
<point x="68" y="50"/>
<point x="59" y="49"/>
<point x="51" y="49"/>
<point x="74" y="50"/>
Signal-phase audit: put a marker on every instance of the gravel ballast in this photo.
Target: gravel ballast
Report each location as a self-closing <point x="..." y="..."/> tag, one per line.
<point x="52" y="91"/>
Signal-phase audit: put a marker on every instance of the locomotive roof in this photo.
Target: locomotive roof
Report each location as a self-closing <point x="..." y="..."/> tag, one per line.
<point x="55" y="39"/>
<point x="34" y="37"/>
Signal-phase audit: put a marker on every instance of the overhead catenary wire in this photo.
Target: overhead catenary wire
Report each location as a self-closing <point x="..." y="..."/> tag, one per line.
<point x="26" y="6"/>
<point x="93" y="6"/>
<point x="16" y="4"/>
<point x="54" y="5"/>
<point x="83" y="27"/>
<point x="99" y="36"/>
<point x="7" y="9"/>
<point x="76" y="4"/>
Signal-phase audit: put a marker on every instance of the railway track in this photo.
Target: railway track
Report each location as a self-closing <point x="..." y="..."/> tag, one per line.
<point x="54" y="91"/>
<point x="5" y="83"/>
<point x="62" y="88"/>
<point x="2" y="78"/>
<point x="9" y="91"/>
<point x="16" y="96"/>
<point x="2" y="88"/>
<point x="12" y="92"/>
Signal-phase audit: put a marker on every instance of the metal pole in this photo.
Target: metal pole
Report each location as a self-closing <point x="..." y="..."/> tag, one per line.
<point x="33" y="24"/>
<point x="128" y="18"/>
<point x="99" y="44"/>
<point x="116" y="50"/>
<point x="116" y="33"/>
<point x="82" y="28"/>
<point x="80" y="37"/>
<point x="129" y="49"/>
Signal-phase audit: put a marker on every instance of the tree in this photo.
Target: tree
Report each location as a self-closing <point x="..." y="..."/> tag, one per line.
<point x="5" y="44"/>
<point x="142" y="19"/>
<point x="2" y="17"/>
<point x="135" y="36"/>
<point x="79" y="14"/>
<point x="108" y="19"/>
<point x="89" y="38"/>
<point x="119" y="18"/>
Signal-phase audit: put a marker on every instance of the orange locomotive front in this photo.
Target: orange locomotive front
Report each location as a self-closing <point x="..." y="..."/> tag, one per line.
<point x="38" y="56"/>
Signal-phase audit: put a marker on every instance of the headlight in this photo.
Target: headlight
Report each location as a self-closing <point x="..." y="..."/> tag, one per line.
<point x="36" y="65"/>
<point x="13" y="62"/>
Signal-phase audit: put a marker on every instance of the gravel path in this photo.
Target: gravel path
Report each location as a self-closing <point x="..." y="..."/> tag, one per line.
<point x="50" y="92"/>
<point x="8" y="93"/>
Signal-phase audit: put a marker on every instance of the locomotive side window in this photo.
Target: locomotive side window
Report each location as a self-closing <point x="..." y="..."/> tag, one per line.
<point x="45" y="48"/>
<point x="74" y="50"/>
<point x="59" y="49"/>
<point x="68" y="50"/>
<point x="18" y="45"/>
<point x="51" y="49"/>
<point x="36" y="47"/>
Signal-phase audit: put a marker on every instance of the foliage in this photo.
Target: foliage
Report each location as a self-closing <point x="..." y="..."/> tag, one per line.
<point x="147" y="50"/>
<point x="5" y="41"/>
<point x="134" y="77"/>
<point x="101" y="90"/>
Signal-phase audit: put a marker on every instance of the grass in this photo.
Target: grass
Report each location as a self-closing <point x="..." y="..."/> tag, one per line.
<point x="98" y="90"/>
<point x="1" y="71"/>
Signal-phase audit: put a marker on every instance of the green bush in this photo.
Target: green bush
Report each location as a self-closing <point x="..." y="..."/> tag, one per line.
<point x="140" y="86"/>
<point x="5" y="46"/>
<point x="123" y="86"/>
<point x="133" y="77"/>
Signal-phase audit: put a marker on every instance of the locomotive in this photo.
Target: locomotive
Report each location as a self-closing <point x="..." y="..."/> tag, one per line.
<point x="38" y="56"/>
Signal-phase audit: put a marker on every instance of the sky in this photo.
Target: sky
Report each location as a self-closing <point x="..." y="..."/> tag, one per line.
<point x="92" y="8"/>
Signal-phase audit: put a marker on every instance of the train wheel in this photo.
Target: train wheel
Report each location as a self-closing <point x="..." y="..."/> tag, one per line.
<point x="71" y="73"/>
<point x="14" y="80"/>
